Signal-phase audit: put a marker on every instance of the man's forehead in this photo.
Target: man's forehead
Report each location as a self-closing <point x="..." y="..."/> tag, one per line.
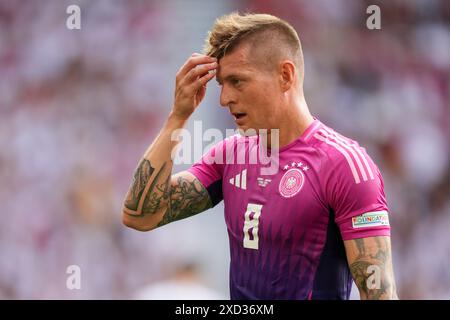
<point x="232" y="63"/>
<point x="239" y="55"/>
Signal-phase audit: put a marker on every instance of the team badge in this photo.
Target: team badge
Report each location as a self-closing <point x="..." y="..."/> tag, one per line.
<point x="291" y="183"/>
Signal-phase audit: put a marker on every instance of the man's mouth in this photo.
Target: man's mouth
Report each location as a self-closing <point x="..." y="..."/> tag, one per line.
<point x="238" y="115"/>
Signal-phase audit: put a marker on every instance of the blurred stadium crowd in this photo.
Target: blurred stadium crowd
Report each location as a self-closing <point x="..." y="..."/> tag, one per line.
<point x="78" y="109"/>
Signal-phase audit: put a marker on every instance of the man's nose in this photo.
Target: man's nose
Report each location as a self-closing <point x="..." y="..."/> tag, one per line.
<point x="226" y="97"/>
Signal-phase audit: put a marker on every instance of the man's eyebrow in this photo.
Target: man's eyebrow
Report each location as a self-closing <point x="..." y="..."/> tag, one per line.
<point x="228" y="77"/>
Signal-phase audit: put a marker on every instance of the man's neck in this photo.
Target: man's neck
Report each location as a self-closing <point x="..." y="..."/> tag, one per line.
<point x="293" y="124"/>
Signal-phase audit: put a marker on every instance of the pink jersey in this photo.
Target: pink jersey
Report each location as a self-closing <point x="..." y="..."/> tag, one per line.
<point x="286" y="230"/>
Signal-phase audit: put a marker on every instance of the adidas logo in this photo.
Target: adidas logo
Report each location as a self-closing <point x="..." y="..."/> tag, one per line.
<point x="240" y="180"/>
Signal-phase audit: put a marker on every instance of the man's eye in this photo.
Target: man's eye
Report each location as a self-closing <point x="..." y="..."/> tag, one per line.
<point x="236" y="82"/>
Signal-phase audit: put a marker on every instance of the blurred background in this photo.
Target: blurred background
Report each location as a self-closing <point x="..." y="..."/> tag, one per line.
<point x="79" y="107"/>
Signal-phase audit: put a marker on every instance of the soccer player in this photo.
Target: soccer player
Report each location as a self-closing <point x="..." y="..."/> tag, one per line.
<point x="301" y="232"/>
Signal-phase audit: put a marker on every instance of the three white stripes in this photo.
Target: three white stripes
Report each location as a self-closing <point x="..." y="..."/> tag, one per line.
<point x="240" y="181"/>
<point x="347" y="150"/>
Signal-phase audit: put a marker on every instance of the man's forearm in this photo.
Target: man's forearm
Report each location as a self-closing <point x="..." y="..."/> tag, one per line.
<point x="148" y="196"/>
<point x="370" y="263"/>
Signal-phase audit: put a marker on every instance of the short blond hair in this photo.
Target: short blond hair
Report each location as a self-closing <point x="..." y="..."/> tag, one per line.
<point x="275" y="36"/>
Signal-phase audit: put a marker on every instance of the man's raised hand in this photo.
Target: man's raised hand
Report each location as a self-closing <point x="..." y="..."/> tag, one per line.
<point x="190" y="86"/>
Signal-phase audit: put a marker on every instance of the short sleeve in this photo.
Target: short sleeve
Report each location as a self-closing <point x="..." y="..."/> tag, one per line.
<point x="208" y="170"/>
<point x="355" y="193"/>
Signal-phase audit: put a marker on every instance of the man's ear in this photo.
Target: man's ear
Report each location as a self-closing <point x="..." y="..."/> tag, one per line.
<point x="288" y="74"/>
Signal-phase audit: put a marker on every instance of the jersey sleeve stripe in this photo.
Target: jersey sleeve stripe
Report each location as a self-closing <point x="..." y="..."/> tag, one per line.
<point x="349" y="149"/>
<point x="343" y="152"/>
<point x="355" y="147"/>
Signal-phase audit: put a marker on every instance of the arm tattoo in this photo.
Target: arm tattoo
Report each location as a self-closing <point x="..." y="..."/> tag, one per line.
<point x="151" y="191"/>
<point x="140" y="180"/>
<point x="145" y="189"/>
<point x="364" y="267"/>
<point x="187" y="198"/>
<point x="154" y="197"/>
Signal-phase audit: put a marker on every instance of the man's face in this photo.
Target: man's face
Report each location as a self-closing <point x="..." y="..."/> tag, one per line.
<point x="249" y="89"/>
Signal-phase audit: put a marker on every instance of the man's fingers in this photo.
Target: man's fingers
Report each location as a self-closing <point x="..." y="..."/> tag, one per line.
<point x="200" y="71"/>
<point x="192" y="62"/>
<point x="202" y="81"/>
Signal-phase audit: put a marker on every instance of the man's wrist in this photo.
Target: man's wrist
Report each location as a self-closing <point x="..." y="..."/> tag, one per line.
<point x="173" y="116"/>
<point x="176" y="121"/>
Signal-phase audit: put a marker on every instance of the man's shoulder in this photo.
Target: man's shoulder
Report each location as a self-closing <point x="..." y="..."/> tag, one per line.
<point x="341" y="154"/>
<point x="234" y="140"/>
<point x="229" y="150"/>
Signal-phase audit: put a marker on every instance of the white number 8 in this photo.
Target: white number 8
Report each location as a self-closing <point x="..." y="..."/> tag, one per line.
<point x="252" y="224"/>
